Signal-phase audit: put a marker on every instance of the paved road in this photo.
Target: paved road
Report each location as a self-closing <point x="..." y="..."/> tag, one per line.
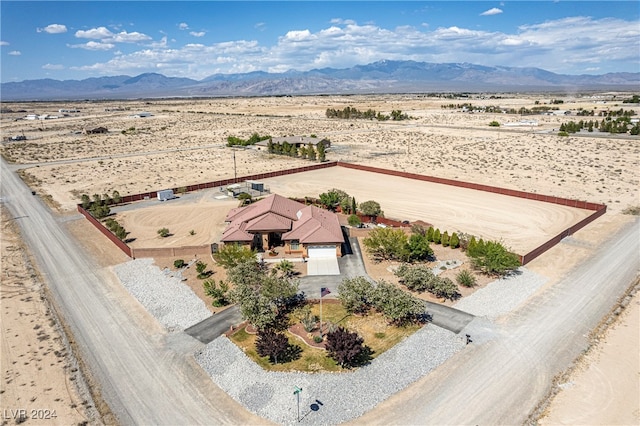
<point x="146" y="375"/>
<point x="500" y="378"/>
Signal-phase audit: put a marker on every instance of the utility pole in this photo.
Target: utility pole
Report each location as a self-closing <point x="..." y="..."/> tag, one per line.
<point x="235" y="173"/>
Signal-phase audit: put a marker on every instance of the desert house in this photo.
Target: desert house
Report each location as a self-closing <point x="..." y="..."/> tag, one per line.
<point x="296" y="141"/>
<point x="276" y="221"/>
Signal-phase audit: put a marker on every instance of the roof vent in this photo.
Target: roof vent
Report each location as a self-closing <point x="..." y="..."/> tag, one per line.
<point x="299" y="214"/>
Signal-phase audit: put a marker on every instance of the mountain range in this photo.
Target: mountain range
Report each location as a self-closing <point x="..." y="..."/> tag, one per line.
<point x="378" y="77"/>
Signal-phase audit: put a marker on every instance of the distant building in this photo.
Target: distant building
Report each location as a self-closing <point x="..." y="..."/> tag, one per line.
<point x="143" y="114"/>
<point x="297" y="141"/>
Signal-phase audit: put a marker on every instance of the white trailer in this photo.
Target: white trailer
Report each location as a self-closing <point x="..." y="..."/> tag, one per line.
<point x="166" y="194"/>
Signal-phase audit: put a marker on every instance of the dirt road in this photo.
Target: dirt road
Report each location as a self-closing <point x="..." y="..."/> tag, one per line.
<point x="146" y="375"/>
<point x="501" y="377"/>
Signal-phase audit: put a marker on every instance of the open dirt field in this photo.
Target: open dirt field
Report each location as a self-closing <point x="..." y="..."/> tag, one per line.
<point x="522" y="224"/>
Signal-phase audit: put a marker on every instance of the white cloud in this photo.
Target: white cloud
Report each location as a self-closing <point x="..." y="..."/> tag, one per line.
<point x="92" y="45"/>
<point x="260" y="26"/>
<point x="183" y="26"/>
<point x="53" y="67"/>
<point x="4" y="43"/>
<point x="53" y="29"/>
<point x="492" y="11"/>
<point x="106" y="36"/>
<point x="566" y="45"/>
<point x="197" y="33"/>
<point x="15" y="53"/>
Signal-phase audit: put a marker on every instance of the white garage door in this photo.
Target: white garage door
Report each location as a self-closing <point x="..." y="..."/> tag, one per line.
<point x="322" y="251"/>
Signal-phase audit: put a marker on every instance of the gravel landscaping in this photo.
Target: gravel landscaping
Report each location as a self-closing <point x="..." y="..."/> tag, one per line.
<point x="162" y="293"/>
<point x="503" y="295"/>
<point x="326" y="398"/>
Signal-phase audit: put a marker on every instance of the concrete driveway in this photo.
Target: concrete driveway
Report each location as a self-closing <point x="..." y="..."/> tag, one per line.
<point x="323" y="266"/>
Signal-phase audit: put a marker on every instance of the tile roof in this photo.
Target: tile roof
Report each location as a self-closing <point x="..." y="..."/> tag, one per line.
<point x="308" y="224"/>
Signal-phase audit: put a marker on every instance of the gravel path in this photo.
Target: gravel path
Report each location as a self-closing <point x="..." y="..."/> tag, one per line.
<point x="329" y="398"/>
<point x="162" y="293"/>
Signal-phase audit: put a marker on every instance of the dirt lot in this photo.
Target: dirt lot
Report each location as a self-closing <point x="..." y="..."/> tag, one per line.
<point x="183" y="143"/>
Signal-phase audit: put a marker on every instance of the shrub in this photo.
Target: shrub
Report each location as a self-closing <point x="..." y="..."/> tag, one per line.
<point x="163" y="232"/>
<point x="494" y="124"/>
<point x="399" y="307"/>
<point x="178" y="263"/>
<point x="445" y="239"/>
<point x="201" y="268"/>
<point x="437" y="238"/>
<point x="416" y="278"/>
<point x="218" y="291"/>
<point x="346" y="348"/>
<point x="356" y="294"/>
<point x="386" y="243"/>
<point x="272" y="344"/>
<point x="493" y="258"/>
<point x="417" y="248"/>
<point x="354" y="220"/>
<point x="454" y="242"/>
<point x="466" y="278"/>
<point x="231" y="255"/>
<point x="445" y="288"/>
<point x="430" y="232"/>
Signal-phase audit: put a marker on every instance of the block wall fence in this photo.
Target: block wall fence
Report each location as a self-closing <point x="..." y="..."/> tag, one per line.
<point x="598" y="209"/>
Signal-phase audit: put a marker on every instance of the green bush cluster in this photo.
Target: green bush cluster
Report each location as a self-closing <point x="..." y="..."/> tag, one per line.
<point x="393" y="244"/>
<point x="113" y="226"/>
<point x="435" y="236"/>
<point x="491" y="257"/>
<point x="255" y="138"/>
<point x="421" y="278"/>
<point x="359" y="295"/>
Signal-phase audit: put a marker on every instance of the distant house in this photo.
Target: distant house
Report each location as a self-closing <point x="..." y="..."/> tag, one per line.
<point x="143" y="114"/>
<point x="276" y="221"/>
<point x="297" y="141"/>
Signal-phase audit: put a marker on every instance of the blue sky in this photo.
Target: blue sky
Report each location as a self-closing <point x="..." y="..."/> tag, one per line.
<point x="77" y="40"/>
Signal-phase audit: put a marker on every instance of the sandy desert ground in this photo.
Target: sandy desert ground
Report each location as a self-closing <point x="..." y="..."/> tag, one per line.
<point x="183" y="143"/>
<point x="37" y="375"/>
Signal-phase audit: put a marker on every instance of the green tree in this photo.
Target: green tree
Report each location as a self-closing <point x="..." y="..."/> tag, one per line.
<point x="230" y="255"/>
<point x="493" y="258"/>
<point x="121" y="233"/>
<point x="437" y="238"/>
<point x="454" y="242"/>
<point x="353" y="205"/>
<point x="164" y="232"/>
<point x="261" y="296"/>
<point x="418" y="248"/>
<point x="322" y="155"/>
<point x="356" y="294"/>
<point x="386" y="244"/>
<point x="201" y="269"/>
<point x="354" y="220"/>
<point x="430" y="232"/>
<point x="311" y="152"/>
<point x="445" y="239"/>
<point x="330" y="200"/>
<point x="86" y="201"/>
<point x="217" y="291"/>
<point x="178" y="263"/>
<point x="370" y="208"/>
<point x="115" y="196"/>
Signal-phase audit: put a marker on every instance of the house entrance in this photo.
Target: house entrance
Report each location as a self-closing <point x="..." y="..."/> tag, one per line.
<point x="275" y="239"/>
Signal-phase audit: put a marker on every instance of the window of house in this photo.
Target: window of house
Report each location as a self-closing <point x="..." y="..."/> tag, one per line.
<point x="295" y="244"/>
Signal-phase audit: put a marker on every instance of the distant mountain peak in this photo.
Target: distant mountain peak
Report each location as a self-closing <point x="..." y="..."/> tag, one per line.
<point x="383" y="76"/>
